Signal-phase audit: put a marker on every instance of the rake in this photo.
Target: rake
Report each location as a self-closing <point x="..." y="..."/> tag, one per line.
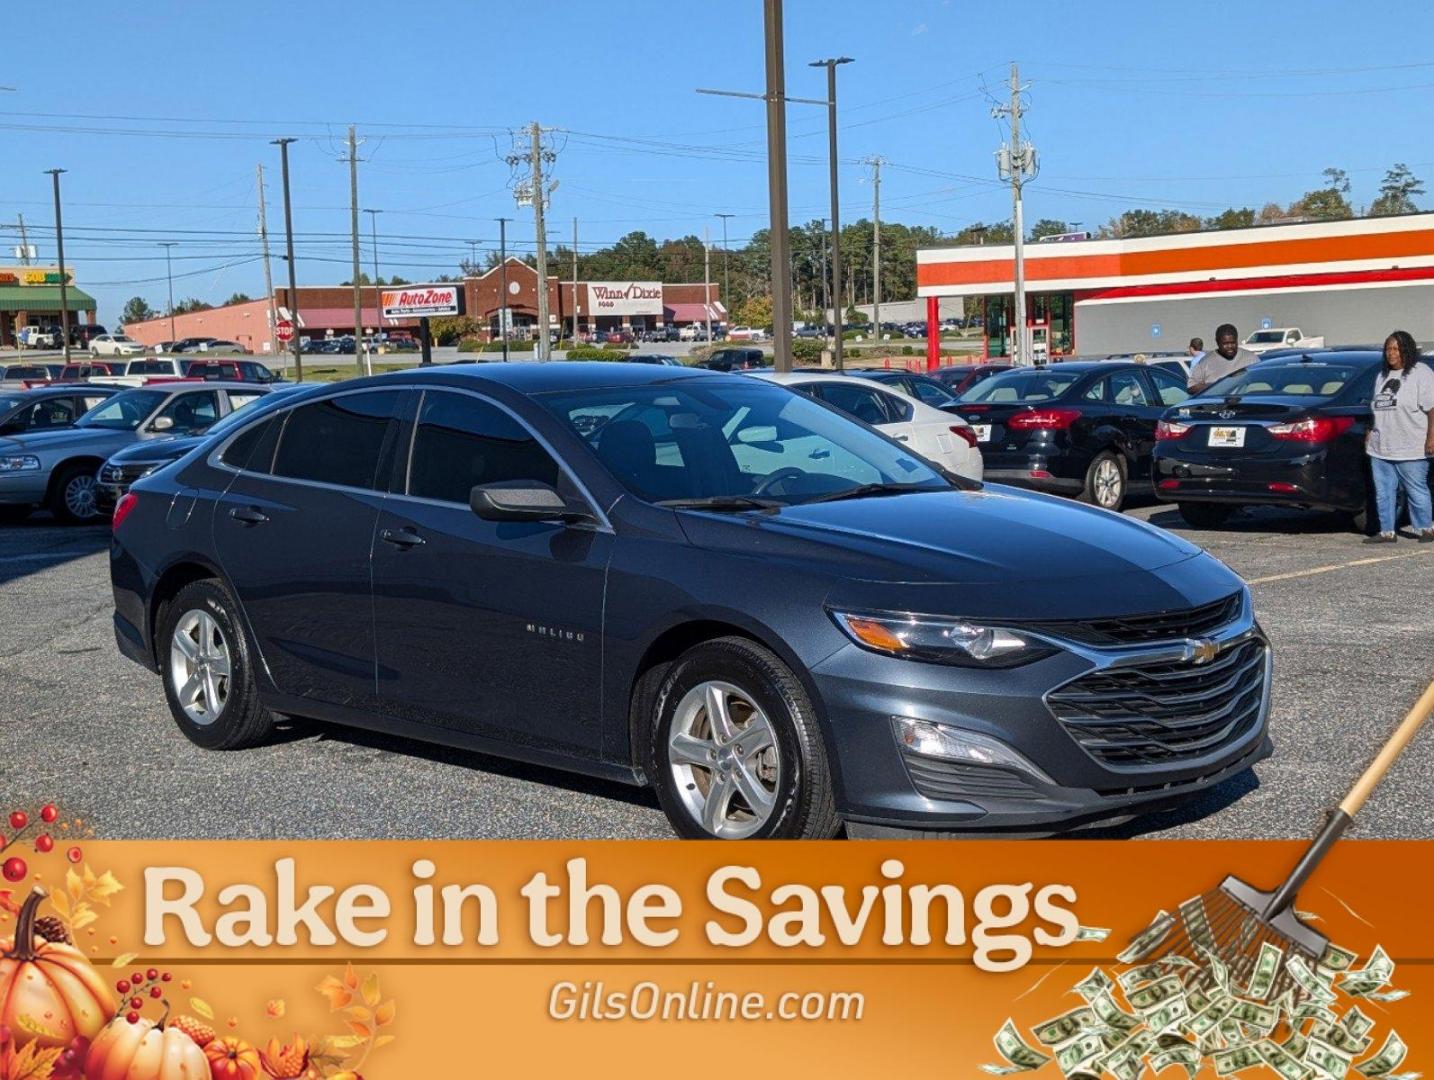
<point x="1235" y="920"/>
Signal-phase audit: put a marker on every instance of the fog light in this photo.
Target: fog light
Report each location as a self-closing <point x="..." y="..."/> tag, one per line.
<point x="930" y="739"/>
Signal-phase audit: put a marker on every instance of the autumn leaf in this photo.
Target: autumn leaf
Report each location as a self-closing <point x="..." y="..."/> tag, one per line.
<point x="359" y="1013"/>
<point x="202" y="1007"/>
<point x="61" y="903"/>
<point x="363" y="1031"/>
<point x="383" y="1040"/>
<point x="276" y="1008"/>
<point x="384" y="1014"/>
<point x="33" y="1063"/>
<point x="84" y="915"/>
<point x="102" y="888"/>
<point x="123" y="960"/>
<point x="333" y="1045"/>
<point x="371" y="993"/>
<point x="351" y="979"/>
<point x="338" y="994"/>
<point x="74" y="885"/>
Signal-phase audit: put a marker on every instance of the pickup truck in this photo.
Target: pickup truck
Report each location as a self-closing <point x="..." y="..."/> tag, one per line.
<point x="1281" y="337"/>
<point x="140" y="372"/>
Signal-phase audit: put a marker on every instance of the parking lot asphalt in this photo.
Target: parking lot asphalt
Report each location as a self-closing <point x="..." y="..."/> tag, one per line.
<point x="1352" y="627"/>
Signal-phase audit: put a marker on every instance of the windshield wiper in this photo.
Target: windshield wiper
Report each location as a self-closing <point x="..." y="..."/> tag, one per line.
<point x="861" y="491"/>
<point x="724" y="502"/>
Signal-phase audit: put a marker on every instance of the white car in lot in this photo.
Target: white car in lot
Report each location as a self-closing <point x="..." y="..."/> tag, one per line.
<point x="115" y="345"/>
<point x="746" y="333"/>
<point x="940" y="437"/>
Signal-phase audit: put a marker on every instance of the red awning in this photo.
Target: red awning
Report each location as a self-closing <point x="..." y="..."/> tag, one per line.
<point x="689" y="313"/>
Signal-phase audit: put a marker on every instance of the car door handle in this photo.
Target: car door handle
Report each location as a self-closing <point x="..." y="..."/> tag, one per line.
<point x="401" y="538"/>
<point x="248" y="515"/>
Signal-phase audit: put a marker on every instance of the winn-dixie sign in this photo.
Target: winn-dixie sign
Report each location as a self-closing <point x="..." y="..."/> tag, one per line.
<point x="418" y="301"/>
<point x="625" y="297"/>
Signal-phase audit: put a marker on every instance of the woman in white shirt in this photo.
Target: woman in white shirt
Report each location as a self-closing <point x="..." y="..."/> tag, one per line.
<point x="1401" y="437"/>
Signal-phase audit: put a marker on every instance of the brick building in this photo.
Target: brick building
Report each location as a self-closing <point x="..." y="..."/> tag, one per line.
<point x="30" y="296"/>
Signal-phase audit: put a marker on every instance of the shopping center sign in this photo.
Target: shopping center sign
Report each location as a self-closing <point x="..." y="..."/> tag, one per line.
<point x="625" y="298"/>
<point x="422" y="301"/>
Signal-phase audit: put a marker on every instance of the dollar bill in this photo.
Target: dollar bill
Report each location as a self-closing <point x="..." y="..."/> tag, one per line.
<point x="1296" y="1043"/>
<point x="1112" y="1015"/>
<point x="1197" y="923"/>
<point x="1355" y="1022"/>
<point x="1208" y="1019"/>
<point x="1387" y="995"/>
<point x="1391" y="1055"/>
<point x="1013" y="1048"/>
<point x="1067" y="1026"/>
<point x="1080" y="1052"/>
<point x="1168" y="1015"/>
<point x="1336" y="959"/>
<point x="1235" y="1059"/>
<point x="1145" y="998"/>
<point x="1339" y="1037"/>
<point x="1197" y="998"/>
<point x="1094" y="984"/>
<point x="1308" y="981"/>
<point x="1092" y="933"/>
<point x="1186" y="1056"/>
<point x="1149" y="939"/>
<point x="1375" y="974"/>
<point x="1267" y="966"/>
<point x="1257" y="1015"/>
<point x="1329" y="1060"/>
<point x="1282" y="1061"/>
<point x="1217" y="969"/>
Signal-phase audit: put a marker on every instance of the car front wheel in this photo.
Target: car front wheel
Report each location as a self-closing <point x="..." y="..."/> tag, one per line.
<point x="735" y="752"/>
<point x="208" y="674"/>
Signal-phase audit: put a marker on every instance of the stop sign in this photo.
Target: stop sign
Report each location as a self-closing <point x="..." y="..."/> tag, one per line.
<point x="285" y="331"/>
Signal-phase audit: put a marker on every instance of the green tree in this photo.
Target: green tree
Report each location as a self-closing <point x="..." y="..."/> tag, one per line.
<point x="856" y="317"/>
<point x="186" y="306"/>
<point x="1150" y="223"/>
<point x="1323" y="204"/>
<point x="1049" y="227"/>
<point x="998" y="232"/>
<point x="1396" y="193"/>
<point x="1338" y="180"/>
<point x="1234" y="218"/>
<point x="136" y="310"/>
<point x="755" y="311"/>
<point x="238" y="298"/>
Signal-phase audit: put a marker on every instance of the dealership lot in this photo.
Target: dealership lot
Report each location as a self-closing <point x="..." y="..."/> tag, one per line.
<point x="1350" y="624"/>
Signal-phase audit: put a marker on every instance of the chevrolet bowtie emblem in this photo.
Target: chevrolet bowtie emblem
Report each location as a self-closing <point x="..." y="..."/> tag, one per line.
<point x="1203" y="651"/>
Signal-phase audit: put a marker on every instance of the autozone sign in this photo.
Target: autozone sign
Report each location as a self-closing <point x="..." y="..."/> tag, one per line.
<point x="625" y="297"/>
<point x="420" y="301"/>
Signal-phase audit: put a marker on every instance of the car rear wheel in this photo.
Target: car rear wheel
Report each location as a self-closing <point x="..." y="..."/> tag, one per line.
<point x="1105" y="482"/>
<point x="74" y="495"/>
<point x="734" y="749"/>
<point x="1204" y="515"/>
<point x="208" y="674"/>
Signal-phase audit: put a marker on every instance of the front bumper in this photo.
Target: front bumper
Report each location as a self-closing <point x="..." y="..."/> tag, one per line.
<point x="23" y="488"/>
<point x="882" y="784"/>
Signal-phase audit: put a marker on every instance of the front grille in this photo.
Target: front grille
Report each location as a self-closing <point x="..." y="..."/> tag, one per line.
<point x="935" y="778"/>
<point x="1143" y="629"/>
<point x="1162" y="713"/>
<point x="121" y="474"/>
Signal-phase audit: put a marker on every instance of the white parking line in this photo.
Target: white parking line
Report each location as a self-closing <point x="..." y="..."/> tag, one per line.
<point x="1336" y="566"/>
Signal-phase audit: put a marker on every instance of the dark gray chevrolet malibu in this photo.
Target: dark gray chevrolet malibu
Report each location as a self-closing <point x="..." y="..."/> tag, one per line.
<point x="777" y="617"/>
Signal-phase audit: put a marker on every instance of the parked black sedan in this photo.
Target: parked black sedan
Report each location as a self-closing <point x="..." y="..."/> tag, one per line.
<point x="961" y="377"/>
<point x="1083" y="429"/>
<point x="776" y="616"/>
<point x="1288" y="431"/>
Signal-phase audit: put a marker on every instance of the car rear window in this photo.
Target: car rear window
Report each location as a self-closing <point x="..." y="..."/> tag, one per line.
<point x="1288" y="380"/>
<point x="1022" y="386"/>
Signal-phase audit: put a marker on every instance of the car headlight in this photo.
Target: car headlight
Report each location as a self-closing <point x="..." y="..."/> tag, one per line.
<point x="930" y="739"/>
<point x="22" y="463"/>
<point x="941" y="641"/>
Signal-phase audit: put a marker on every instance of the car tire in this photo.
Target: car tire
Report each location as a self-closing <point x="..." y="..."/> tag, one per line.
<point x="73" y="495"/>
<point x="208" y="673"/>
<point x="1105" y="482"/>
<point x="13" y="515"/>
<point x="710" y="785"/>
<point x="1204" y="515"/>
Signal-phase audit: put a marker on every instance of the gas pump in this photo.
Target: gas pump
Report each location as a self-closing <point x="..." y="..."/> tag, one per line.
<point x="1039" y="337"/>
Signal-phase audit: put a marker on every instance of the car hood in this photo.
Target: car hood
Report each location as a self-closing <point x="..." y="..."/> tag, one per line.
<point x="171" y="449"/>
<point x="64" y="439"/>
<point x="996" y="550"/>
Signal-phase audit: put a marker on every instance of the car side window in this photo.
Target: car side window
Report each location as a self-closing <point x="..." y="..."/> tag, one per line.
<point x="339" y="440"/>
<point x="859" y="401"/>
<point x="1125" y="388"/>
<point x="931" y="395"/>
<point x="190" y="412"/>
<point x="462" y="441"/>
<point x="244" y="451"/>
<point x="1096" y="391"/>
<point x="1170" y="387"/>
<point x="238" y="399"/>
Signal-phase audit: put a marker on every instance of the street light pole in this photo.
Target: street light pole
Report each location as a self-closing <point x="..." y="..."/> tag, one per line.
<point x="283" y="145"/>
<point x="60" y="254"/>
<point x="377" y="296"/>
<point x="169" y="273"/>
<point x="726" y="267"/>
<point x="503" y="274"/>
<point x="831" y="66"/>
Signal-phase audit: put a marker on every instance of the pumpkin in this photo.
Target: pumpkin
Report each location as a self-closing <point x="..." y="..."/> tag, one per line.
<point x="231" y="1058"/>
<point x="144" y="1050"/>
<point x="49" y="994"/>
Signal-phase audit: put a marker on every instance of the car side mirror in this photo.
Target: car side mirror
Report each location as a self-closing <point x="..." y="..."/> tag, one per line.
<point x="162" y="423"/>
<point x="522" y="500"/>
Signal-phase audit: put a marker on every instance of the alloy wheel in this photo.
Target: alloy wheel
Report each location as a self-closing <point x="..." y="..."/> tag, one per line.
<point x="199" y="666"/>
<point x="724" y="759"/>
<point x="80" y="497"/>
<point x="1107" y="483"/>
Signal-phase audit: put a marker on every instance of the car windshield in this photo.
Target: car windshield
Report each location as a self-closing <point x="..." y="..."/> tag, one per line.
<point x="1286" y="380"/>
<point x="1020" y="386"/>
<point x="123" y="412"/>
<point x="151" y="367"/>
<point x="1264" y="337"/>
<point x="745" y="442"/>
<point x="9" y="401"/>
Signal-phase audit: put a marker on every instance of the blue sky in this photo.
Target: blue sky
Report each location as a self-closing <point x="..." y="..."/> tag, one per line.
<point x="1198" y="106"/>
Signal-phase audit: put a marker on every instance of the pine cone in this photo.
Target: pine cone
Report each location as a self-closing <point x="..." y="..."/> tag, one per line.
<point x="52" y="929"/>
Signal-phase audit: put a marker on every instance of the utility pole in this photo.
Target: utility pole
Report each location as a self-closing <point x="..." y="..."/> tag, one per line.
<point x="575" y="281"/>
<point x="377" y="296"/>
<point x="64" y="283"/>
<point x="876" y="164"/>
<point x="1016" y="162"/>
<point x="24" y="242"/>
<point x="268" y="270"/>
<point x="359" y="342"/>
<point x="293" y="297"/>
<point x="707" y="280"/>
<point x="169" y="273"/>
<point x="542" y="349"/>
<point x="831" y="65"/>
<point x="776" y="97"/>
<point x="826" y="281"/>
<point x="503" y="273"/>
<point x="726" y="266"/>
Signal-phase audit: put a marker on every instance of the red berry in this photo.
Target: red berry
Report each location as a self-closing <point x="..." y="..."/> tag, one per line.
<point x="19" y="819"/>
<point x="152" y="974"/>
<point x="44" y="843"/>
<point x="48" y="813"/>
<point x="136" y="1003"/>
<point x="122" y="986"/>
<point x="74" y="854"/>
<point x="14" y="869"/>
<point x="132" y="1017"/>
<point x="155" y="991"/>
<point x="165" y="977"/>
<point x="137" y="978"/>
